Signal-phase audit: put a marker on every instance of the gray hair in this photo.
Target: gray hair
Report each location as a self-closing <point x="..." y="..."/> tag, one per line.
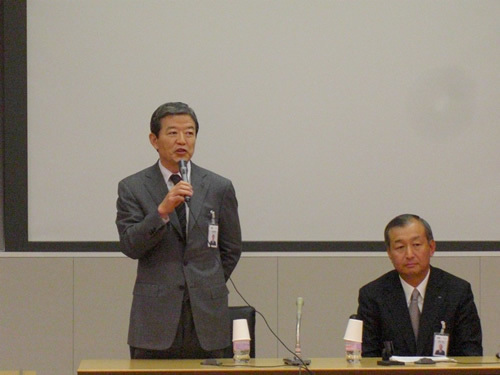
<point x="403" y="221"/>
<point x="170" y="109"/>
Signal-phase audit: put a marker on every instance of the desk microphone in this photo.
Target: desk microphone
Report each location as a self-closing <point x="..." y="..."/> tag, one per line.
<point x="297" y="360"/>
<point x="387" y="354"/>
<point x="185" y="177"/>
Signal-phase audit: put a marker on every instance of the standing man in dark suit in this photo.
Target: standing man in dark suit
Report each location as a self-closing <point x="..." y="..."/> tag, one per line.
<point x="180" y="299"/>
<point x="385" y="305"/>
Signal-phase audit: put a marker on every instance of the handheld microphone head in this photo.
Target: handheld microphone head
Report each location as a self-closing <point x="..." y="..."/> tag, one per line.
<point x="183" y="169"/>
<point x="184" y="173"/>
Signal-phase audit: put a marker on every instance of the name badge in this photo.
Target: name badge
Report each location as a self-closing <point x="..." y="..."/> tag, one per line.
<point x="441" y="339"/>
<point x="213" y="231"/>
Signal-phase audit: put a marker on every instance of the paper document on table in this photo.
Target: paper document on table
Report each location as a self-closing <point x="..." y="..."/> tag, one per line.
<point x="414" y="359"/>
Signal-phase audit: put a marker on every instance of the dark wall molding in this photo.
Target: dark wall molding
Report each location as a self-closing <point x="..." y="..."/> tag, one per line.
<point x="265" y="246"/>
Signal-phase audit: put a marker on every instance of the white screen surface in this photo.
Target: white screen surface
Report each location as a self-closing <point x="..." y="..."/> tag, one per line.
<point x="330" y="117"/>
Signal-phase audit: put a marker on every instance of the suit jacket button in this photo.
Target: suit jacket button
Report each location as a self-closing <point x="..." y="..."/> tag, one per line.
<point x="181" y="287"/>
<point x="185" y="263"/>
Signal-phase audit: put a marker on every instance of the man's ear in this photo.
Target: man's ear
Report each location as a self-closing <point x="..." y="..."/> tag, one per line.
<point x="153" y="140"/>
<point x="432" y="245"/>
<point x="389" y="254"/>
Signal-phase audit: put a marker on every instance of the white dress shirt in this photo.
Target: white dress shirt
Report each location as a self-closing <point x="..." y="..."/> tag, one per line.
<point x="421" y="289"/>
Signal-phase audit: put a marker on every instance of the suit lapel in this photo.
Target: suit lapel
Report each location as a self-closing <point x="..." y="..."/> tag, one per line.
<point x="434" y="299"/>
<point x="398" y="307"/>
<point x="155" y="184"/>
<point x="200" y="188"/>
<point x="157" y="188"/>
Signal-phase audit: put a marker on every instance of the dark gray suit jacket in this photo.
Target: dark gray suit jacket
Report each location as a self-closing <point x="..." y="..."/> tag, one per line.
<point x="168" y="264"/>
<point x="384" y="312"/>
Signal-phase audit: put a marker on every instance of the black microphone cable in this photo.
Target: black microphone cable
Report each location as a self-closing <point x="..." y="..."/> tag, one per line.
<point x="248" y="304"/>
<point x="218" y="260"/>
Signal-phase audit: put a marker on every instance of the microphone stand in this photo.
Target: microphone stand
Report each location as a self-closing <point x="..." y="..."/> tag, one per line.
<point x="386" y="355"/>
<point x="297" y="360"/>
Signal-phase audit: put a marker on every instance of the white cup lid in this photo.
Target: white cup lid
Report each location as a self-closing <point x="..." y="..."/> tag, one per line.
<point x="354" y="330"/>
<point x="240" y="330"/>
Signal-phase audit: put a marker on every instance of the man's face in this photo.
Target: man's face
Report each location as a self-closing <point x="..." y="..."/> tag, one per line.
<point x="175" y="141"/>
<point x="410" y="251"/>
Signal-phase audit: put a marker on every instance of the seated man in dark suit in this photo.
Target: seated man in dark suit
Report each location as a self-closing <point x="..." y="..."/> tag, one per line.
<point x="409" y="304"/>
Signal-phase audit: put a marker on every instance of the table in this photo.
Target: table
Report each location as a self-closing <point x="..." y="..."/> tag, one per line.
<point x="266" y="366"/>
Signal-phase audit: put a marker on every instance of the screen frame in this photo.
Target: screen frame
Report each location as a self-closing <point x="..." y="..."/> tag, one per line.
<point x="14" y="102"/>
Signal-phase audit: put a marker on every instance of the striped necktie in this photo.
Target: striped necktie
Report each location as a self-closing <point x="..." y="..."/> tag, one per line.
<point x="180" y="209"/>
<point x="414" y="312"/>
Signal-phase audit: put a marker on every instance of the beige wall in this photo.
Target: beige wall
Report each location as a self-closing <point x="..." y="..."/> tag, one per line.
<point x="56" y="311"/>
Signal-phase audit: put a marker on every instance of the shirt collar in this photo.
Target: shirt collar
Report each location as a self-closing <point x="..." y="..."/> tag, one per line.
<point x="166" y="172"/>
<point x="408" y="289"/>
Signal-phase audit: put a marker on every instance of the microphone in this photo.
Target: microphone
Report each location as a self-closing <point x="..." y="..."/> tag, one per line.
<point x="387" y="353"/>
<point x="300" y="303"/>
<point x="297" y="360"/>
<point x="185" y="177"/>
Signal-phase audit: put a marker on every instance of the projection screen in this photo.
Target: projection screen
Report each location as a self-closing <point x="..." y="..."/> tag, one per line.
<point x="329" y="117"/>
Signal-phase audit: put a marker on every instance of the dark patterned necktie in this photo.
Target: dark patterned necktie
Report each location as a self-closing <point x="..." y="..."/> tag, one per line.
<point x="180" y="209"/>
<point x="414" y="312"/>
